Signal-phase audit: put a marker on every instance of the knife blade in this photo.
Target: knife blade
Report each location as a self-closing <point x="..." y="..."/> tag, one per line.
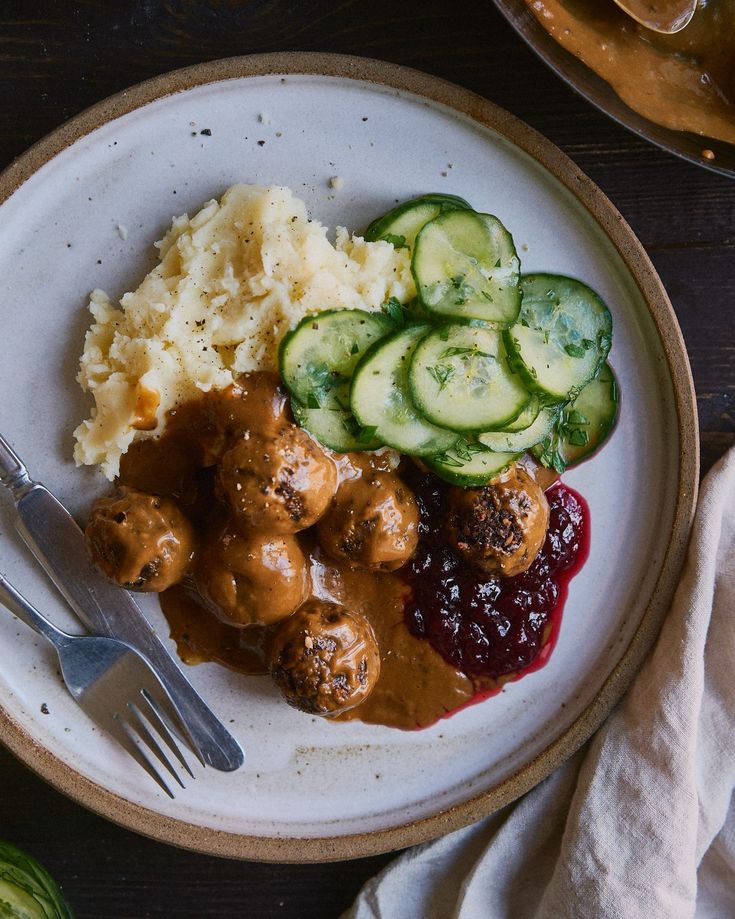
<point x="58" y="543"/>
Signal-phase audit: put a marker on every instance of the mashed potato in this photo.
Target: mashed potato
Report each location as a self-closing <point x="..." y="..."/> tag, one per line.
<point x="231" y="281"/>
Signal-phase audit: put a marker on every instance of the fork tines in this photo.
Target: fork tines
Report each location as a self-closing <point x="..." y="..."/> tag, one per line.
<point x="136" y="730"/>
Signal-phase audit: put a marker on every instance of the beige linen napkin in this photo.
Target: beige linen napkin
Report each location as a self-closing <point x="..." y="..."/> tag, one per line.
<point x="641" y="822"/>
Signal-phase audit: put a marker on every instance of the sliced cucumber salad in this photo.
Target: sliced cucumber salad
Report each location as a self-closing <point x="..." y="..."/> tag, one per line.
<point x="465" y="267"/>
<point x="336" y="429"/>
<point x="470" y="464"/>
<point x="583" y="425"/>
<point x="382" y="403"/>
<point x="317" y="360"/>
<point x="401" y="225"/>
<point x="562" y="337"/>
<point x="460" y="379"/>
<point x="524" y="439"/>
<point x="483" y="366"/>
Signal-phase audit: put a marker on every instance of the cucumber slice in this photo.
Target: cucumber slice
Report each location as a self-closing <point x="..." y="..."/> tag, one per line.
<point x="562" y="336"/>
<point x="401" y="225"/>
<point x="465" y="267"/>
<point x="381" y="400"/>
<point x="470" y="464"/>
<point x="583" y="426"/>
<point x="525" y="439"/>
<point x="460" y="379"/>
<point x="335" y="429"/>
<point x="317" y="358"/>
<point x="527" y="416"/>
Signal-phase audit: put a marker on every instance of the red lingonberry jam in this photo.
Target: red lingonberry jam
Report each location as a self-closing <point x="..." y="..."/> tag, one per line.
<point x="490" y="627"/>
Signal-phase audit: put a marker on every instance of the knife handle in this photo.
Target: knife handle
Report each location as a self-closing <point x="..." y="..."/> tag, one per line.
<point x="13" y="473"/>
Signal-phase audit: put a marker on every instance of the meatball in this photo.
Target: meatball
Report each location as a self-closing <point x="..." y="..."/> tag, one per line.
<point x="256" y="403"/>
<point x="256" y="579"/>
<point x="278" y="484"/>
<point x="324" y="659"/>
<point x="141" y="541"/>
<point x="372" y="522"/>
<point x="501" y="527"/>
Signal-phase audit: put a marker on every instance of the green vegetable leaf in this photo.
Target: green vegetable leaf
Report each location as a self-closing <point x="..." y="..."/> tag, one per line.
<point x="453" y="352"/>
<point x="350" y="424"/>
<point x="547" y="453"/>
<point x="463" y="289"/>
<point x="441" y="373"/>
<point x="398" y="242"/>
<point x="464" y="353"/>
<point x="462" y="452"/>
<point x="574" y="350"/>
<point x="27" y="889"/>
<point x="578" y="437"/>
<point x="447" y="460"/>
<point x="395" y="310"/>
<point x="367" y="434"/>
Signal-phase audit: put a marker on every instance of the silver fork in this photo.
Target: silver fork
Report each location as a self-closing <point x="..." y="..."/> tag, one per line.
<point x="116" y="686"/>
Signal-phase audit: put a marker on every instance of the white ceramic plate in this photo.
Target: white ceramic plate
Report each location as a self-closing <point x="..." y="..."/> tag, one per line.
<point x="312" y="789"/>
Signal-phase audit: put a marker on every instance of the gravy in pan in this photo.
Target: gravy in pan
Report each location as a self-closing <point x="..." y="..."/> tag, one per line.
<point x="685" y="81"/>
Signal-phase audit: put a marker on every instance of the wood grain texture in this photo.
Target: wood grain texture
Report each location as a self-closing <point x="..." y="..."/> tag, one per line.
<point x="58" y="57"/>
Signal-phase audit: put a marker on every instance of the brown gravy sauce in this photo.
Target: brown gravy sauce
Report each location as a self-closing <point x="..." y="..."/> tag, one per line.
<point x="685" y="81"/>
<point x="415" y="688"/>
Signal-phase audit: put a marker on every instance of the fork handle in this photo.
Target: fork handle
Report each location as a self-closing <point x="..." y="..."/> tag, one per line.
<point x="13" y="473"/>
<point x="20" y="607"/>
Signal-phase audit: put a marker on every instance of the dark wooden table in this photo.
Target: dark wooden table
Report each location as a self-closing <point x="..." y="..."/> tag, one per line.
<point x="57" y="57"/>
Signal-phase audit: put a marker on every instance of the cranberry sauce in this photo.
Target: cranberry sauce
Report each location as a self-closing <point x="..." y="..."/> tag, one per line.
<point x="490" y="627"/>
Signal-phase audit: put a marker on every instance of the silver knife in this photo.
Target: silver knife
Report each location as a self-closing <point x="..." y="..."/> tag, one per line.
<point x="54" y="537"/>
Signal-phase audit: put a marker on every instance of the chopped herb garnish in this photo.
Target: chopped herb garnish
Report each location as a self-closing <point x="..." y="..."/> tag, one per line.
<point x="442" y="374"/>
<point x="446" y="460"/>
<point x="351" y="425"/>
<point x="453" y="352"/>
<point x="398" y="242"/>
<point x="464" y="353"/>
<point x="578" y="437"/>
<point x="463" y="289"/>
<point x="367" y="434"/>
<point x="394" y="310"/>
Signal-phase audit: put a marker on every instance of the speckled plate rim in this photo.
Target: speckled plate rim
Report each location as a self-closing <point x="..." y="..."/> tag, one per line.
<point x="595" y="90"/>
<point x="217" y="842"/>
